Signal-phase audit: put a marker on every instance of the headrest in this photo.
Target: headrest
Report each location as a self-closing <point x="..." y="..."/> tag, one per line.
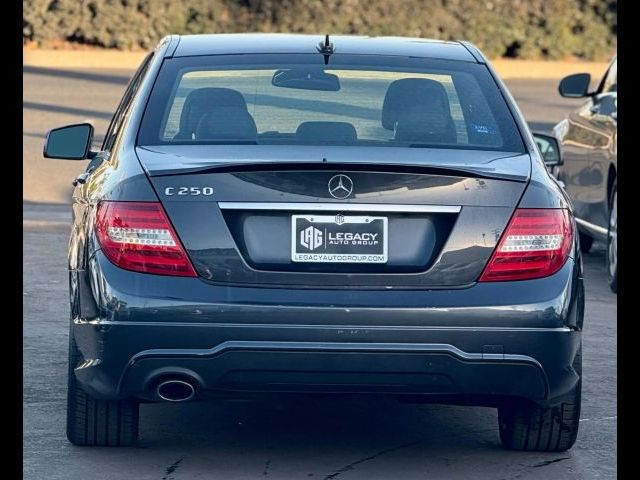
<point x="204" y="100"/>
<point x="327" y="132"/>
<point x="420" y="126"/>
<point x="403" y="94"/>
<point x="227" y="123"/>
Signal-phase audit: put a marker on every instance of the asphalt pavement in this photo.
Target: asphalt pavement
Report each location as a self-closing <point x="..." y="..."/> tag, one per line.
<point x="297" y="438"/>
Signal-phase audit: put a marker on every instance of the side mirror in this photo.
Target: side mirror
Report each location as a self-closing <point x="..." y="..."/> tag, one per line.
<point x="549" y="149"/>
<point x="71" y="142"/>
<point x="575" y="86"/>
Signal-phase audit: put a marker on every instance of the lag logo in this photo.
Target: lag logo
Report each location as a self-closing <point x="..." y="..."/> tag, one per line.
<point x="311" y="238"/>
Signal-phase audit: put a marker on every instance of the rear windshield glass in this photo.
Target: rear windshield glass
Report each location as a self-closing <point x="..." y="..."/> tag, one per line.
<point x="351" y="101"/>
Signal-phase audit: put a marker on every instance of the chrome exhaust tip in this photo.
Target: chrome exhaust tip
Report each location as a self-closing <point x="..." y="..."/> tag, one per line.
<point x="175" y="391"/>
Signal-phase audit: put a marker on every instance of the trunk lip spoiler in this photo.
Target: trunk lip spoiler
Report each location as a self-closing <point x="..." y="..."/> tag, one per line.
<point x="183" y="163"/>
<point x="335" y="206"/>
<point x="236" y="167"/>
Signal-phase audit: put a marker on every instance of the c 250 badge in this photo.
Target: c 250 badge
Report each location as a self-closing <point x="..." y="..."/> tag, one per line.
<point x="170" y="191"/>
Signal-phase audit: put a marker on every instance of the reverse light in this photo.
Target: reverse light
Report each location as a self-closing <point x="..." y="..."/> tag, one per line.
<point x="138" y="236"/>
<point x="535" y="244"/>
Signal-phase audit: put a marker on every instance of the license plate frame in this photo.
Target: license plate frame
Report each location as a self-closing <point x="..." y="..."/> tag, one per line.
<point x="323" y="244"/>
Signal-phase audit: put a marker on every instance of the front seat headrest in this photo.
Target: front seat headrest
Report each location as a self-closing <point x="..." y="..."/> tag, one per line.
<point x="417" y="110"/>
<point x="205" y="100"/>
<point x="406" y="93"/>
<point x="227" y="123"/>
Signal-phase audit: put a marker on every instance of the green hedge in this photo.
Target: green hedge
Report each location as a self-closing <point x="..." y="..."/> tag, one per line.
<point x="553" y="29"/>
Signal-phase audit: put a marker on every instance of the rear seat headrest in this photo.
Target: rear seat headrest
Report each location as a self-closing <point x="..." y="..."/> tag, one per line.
<point x="340" y="132"/>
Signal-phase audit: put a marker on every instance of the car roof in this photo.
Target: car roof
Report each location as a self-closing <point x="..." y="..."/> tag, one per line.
<point x="257" y="43"/>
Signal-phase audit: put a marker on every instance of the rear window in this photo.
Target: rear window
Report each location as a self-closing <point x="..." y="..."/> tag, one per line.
<point x="351" y="101"/>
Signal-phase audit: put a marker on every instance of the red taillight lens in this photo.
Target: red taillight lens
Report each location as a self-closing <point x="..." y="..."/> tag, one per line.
<point x="138" y="236"/>
<point x="535" y="244"/>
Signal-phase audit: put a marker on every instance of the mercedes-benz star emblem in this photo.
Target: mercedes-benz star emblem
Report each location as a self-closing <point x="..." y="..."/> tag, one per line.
<point x="340" y="186"/>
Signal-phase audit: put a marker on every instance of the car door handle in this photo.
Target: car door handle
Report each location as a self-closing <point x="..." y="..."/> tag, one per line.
<point x="80" y="179"/>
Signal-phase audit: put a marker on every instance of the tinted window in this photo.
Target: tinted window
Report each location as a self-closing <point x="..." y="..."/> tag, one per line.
<point x="415" y="102"/>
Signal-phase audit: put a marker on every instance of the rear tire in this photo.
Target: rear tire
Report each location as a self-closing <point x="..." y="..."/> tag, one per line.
<point x="585" y="242"/>
<point x="97" y="422"/>
<point x="525" y="425"/>
<point x="612" y="240"/>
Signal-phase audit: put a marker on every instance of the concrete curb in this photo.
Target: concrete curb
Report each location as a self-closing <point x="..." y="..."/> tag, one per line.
<point x="74" y="59"/>
<point x="115" y="59"/>
<point x="536" y="69"/>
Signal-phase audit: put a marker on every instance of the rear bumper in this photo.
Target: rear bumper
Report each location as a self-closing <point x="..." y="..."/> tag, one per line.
<point x="435" y="362"/>
<point x="524" y="350"/>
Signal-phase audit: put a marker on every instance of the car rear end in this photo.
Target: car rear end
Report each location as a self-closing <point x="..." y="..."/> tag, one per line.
<point x="491" y="338"/>
<point x="397" y="236"/>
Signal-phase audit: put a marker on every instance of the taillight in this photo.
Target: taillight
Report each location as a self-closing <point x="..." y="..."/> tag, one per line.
<point x="138" y="236"/>
<point x="535" y="244"/>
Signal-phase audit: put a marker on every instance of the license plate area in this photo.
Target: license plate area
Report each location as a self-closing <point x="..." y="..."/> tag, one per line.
<point x="339" y="239"/>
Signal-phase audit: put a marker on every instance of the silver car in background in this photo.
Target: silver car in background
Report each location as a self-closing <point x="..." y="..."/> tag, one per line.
<point x="588" y="166"/>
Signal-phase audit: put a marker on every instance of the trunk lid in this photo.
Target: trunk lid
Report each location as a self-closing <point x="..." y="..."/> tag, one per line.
<point x="413" y="218"/>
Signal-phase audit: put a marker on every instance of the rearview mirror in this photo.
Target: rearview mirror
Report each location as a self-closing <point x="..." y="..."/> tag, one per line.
<point x="549" y="149"/>
<point x="71" y="142"/>
<point x="306" y="79"/>
<point x="575" y="86"/>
